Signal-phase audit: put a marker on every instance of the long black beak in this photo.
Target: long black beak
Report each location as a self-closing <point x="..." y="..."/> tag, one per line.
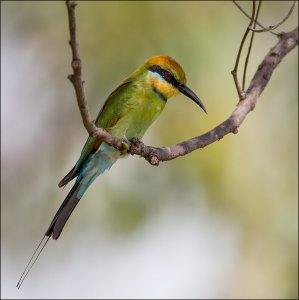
<point x="190" y="94"/>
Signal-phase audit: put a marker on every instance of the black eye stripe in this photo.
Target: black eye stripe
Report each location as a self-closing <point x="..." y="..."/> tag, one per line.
<point x="167" y="75"/>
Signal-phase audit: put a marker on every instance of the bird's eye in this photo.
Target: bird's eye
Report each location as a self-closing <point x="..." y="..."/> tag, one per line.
<point x="168" y="75"/>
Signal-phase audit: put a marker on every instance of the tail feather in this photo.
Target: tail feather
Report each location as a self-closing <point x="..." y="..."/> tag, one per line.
<point x="64" y="212"/>
<point x="69" y="176"/>
<point x="63" y="217"/>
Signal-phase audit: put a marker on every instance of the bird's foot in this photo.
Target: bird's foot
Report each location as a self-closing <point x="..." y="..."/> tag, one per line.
<point x="125" y="145"/>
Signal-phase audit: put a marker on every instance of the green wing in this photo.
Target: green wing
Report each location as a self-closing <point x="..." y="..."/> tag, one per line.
<point x="114" y="108"/>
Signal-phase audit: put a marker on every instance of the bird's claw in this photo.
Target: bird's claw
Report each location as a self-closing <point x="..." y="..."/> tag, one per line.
<point x="125" y="145"/>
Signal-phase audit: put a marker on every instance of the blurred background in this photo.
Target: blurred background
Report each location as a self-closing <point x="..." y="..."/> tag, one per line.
<point x="221" y="222"/>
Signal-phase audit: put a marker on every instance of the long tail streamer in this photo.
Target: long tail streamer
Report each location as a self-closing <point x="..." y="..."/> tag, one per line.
<point x="33" y="259"/>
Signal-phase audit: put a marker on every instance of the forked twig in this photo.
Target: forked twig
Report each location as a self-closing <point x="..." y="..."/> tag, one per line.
<point x="240" y="91"/>
<point x="270" y="28"/>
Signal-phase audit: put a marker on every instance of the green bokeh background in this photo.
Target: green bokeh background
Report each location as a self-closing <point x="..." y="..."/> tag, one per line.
<point x="221" y="222"/>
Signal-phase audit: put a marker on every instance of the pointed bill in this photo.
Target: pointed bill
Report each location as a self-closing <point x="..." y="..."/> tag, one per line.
<point x="190" y="94"/>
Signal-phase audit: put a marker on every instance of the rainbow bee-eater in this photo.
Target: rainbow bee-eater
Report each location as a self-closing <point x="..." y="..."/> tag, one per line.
<point x="127" y="113"/>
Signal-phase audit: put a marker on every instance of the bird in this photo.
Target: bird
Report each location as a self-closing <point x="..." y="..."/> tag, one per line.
<point x="127" y="113"/>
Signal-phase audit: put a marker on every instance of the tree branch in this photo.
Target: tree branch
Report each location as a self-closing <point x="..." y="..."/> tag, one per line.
<point x="272" y="27"/>
<point x="250" y="46"/>
<point x="240" y="91"/>
<point x="287" y="42"/>
<point x="78" y="83"/>
<point x="154" y="155"/>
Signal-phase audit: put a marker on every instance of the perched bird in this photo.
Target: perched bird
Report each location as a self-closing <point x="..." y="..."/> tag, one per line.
<point x="127" y="113"/>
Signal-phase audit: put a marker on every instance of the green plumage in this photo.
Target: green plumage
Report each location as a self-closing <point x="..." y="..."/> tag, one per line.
<point x="128" y="112"/>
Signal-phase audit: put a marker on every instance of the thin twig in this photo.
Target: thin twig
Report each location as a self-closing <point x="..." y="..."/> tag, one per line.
<point x="235" y="70"/>
<point x="249" y="17"/>
<point x="278" y="24"/>
<point x="250" y="46"/>
<point x="154" y="155"/>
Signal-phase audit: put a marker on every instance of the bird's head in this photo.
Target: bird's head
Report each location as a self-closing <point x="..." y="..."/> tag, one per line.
<point x="168" y="79"/>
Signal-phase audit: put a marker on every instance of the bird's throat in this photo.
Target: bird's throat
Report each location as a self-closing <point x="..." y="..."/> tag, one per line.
<point x="159" y="93"/>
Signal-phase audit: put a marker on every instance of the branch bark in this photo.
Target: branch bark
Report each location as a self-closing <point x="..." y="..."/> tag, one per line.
<point x="78" y="83"/>
<point x="154" y="155"/>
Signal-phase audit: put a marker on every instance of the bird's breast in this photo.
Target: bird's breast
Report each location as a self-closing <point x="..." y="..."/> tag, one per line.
<point x="147" y="109"/>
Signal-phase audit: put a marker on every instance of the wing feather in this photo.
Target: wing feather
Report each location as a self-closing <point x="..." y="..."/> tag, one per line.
<point x="113" y="109"/>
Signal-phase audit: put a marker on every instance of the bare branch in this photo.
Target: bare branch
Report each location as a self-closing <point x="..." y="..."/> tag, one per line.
<point x="235" y="70"/>
<point x="264" y="28"/>
<point x="287" y="42"/>
<point x="78" y="83"/>
<point x="250" y="46"/>
<point x="154" y="155"/>
<point x="249" y="17"/>
<point x="76" y="78"/>
<point x="278" y="24"/>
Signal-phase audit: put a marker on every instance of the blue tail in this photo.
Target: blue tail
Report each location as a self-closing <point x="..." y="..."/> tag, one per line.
<point x="95" y="164"/>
